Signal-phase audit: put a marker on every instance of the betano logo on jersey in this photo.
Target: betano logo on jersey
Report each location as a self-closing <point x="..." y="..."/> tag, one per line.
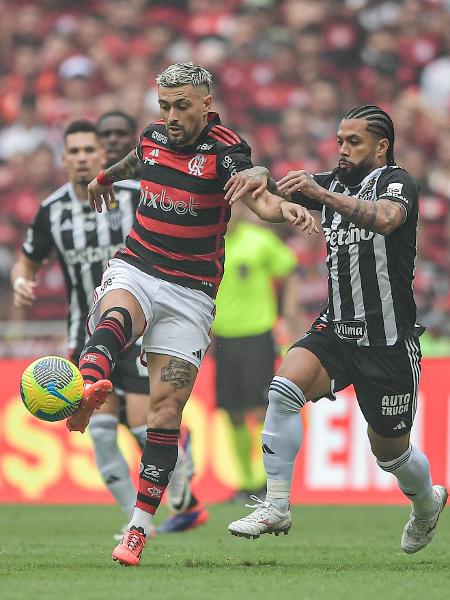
<point x="91" y="255"/>
<point x="167" y="204"/>
<point x="347" y="237"/>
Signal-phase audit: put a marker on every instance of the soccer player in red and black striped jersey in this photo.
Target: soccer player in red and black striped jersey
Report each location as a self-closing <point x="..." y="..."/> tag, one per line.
<point x="163" y="283"/>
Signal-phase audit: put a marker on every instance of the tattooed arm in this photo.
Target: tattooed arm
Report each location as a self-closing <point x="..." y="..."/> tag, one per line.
<point x="127" y="168"/>
<point x="382" y="216"/>
<point x="101" y="188"/>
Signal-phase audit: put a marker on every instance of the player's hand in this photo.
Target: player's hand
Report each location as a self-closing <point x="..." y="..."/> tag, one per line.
<point x="24" y="292"/>
<point x="97" y="194"/>
<point x="300" y="181"/>
<point x="299" y="216"/>
<point x="251" y="180"/>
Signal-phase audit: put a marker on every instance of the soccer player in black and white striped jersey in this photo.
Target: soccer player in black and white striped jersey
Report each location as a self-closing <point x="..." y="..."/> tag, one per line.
<point x="367" y="336"/>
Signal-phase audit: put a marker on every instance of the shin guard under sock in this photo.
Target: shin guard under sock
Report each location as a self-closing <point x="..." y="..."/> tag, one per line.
<point x="109" y="338"/>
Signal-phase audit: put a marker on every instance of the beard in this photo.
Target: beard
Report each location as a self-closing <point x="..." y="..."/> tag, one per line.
<point x="182" y="139"/>
<point x="353" y="176"/>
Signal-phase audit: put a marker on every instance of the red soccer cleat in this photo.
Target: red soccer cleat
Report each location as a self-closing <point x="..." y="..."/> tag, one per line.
<point x="95" y="395"/>
<point x="129" y="551"/>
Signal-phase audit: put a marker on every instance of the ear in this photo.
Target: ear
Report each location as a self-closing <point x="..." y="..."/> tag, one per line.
<point x="382" y="148"/>
<point x="64" y="158"/>
<point x="207" y="101"/>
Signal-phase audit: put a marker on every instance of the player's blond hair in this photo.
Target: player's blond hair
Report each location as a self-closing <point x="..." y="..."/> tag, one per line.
<point x="184" y="74"/>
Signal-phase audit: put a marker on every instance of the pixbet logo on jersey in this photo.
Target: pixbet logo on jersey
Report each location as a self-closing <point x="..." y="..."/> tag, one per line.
<point x="166" y="203"/>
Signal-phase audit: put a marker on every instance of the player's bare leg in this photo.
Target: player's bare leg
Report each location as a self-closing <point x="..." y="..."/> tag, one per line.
<point x="171" y="383"/>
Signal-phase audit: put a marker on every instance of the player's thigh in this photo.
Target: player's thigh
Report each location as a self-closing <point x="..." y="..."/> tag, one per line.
<point x="125" y="299"/>
<point x="124" y="286"/>
<point x="181" y="324"/>
<point x="386" y="382"/>
<point x="305" y="369"/>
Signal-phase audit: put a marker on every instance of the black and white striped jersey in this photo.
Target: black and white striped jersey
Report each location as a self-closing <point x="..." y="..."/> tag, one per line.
<point x="370" y="276"/>
<point x="84" y="241"/>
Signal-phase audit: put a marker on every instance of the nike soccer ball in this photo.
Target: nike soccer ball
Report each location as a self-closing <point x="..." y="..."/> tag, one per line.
<point x="51" y="388"/>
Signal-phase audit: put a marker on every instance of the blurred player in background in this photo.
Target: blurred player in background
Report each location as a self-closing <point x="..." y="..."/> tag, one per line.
<point x="367" y="336"/>
<point x="84" y="242"/>
<point x="247" y="310"/>
<point x="162" y="284"/>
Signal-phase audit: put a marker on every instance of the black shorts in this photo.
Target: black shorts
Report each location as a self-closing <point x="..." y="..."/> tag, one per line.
<point x="245" y="368"/>
<point x="385" y="378"/>
<point x="128" y="376"/>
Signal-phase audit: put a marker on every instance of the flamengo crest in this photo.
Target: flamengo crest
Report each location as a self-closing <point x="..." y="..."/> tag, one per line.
<point x="197" y="164"/>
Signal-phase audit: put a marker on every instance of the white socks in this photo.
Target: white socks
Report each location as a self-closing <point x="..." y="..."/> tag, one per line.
<point x="281" y="439"/>
<point x="141" y="518"/>
<point x="110" y="461"/>
<point x="412" y="470"/>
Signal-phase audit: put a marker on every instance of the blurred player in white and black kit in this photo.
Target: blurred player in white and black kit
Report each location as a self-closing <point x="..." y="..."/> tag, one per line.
<point x="367" y="336"/>
<point x="84" y="242"/>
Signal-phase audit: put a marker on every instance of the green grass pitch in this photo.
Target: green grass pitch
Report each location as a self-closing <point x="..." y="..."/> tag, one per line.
<point x="351" y="553"/>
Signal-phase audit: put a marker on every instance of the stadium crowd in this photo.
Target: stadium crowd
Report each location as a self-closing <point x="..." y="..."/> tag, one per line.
<point x="286" y="71"/>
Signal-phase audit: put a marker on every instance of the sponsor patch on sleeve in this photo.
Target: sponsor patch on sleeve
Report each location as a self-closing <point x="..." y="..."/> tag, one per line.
<point x="395" y="189"/>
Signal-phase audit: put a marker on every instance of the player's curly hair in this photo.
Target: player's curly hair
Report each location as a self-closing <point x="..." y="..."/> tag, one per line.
<point x="184" y="74"/>
<point x="379" y="123"/>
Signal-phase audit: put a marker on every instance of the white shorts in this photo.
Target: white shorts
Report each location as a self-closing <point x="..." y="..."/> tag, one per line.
<point x="178" y="319"/>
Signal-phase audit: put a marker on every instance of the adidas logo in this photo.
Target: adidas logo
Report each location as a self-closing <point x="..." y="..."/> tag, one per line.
<point x="267" y="450"/>
<point x="112" y="479"/>
<point x="401" y="425"/>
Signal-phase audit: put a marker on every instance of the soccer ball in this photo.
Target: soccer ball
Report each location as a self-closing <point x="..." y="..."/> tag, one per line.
<point x="51" y="388"/>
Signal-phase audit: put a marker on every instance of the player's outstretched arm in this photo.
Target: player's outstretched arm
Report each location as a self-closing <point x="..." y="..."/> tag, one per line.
<point x="255" y="181"/>
<point x="101" y="188"/>
<point x="274" y="209"/>
<point x="382" y="216"/>
<point x="23" y="282"/>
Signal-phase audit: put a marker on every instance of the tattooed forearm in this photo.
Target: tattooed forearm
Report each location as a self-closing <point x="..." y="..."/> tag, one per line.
<point x="127" y="168"/>
<point x="381" y="216"/>
<point x="364" y="214"/>
<point x="178" y="373"/>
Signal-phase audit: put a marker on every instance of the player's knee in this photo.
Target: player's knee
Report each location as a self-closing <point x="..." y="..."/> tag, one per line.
<point x="121" y="315"/>
<point x="285" y="395"/>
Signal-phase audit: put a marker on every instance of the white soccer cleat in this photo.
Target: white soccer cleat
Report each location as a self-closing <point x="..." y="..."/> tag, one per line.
<point x="419" y="532"/>
<point x="265" y="519"/>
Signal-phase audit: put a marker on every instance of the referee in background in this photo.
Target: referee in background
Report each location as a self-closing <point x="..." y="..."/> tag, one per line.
<point x="246" y="313"/>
